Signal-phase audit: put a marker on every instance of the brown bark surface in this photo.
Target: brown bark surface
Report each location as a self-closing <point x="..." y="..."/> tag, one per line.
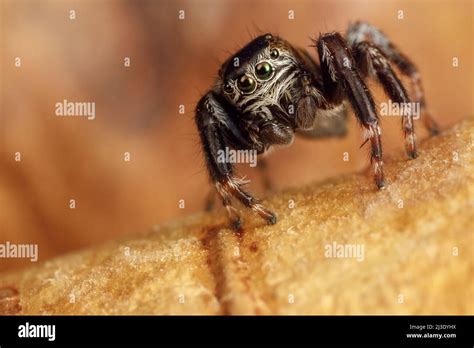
<point x="417" y="236"/>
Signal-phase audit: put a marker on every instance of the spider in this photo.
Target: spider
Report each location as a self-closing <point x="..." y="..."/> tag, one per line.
<point x="270" y="90"/>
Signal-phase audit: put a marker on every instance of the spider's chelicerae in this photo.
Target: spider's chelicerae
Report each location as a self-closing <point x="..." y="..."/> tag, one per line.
<point x="270" y="90"/>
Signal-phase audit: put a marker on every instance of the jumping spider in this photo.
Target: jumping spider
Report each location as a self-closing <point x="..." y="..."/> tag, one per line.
<point x="276" y="90"/>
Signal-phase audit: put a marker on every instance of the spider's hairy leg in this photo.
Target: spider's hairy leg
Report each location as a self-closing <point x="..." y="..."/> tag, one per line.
<point x="233" y="186"/>
<point x="272" y="133"/>
<point x="263" y="167"/>
<point x="217" y="131"/>
<point x="362" y="31"/>
<point x="341" y="79"/>
<point x="373" y="62"/>
<point x="210" y="200"/>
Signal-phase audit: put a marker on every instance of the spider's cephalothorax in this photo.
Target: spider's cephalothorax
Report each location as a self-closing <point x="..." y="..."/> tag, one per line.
<point x="269" y="90"/>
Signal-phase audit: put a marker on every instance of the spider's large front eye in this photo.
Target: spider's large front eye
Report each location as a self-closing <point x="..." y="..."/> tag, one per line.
<point x="263" y="71"/>
<point x="246" y="84"/>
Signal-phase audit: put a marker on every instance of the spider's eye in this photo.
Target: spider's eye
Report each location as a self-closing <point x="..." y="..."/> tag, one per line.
<point x="274" y="53"/>
<point x="228" y="87"/>
<point x="263" y="71"/>
<point x="246" y="84"/>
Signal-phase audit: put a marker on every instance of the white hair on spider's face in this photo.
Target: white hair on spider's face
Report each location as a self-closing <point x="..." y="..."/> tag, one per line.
<point x="271" y="92"/>
<point x="268" y="92"/>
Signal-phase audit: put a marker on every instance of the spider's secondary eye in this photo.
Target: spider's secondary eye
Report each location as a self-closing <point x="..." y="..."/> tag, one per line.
<point x="274" y="53"/>
<point x="228" y="88"/>
<point x="263" y="71"/>
<point x="246" y="84"/>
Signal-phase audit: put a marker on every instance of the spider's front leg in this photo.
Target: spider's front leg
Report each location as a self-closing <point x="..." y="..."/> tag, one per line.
<point x="341" y="79"/>
<point x="218" y="131"/>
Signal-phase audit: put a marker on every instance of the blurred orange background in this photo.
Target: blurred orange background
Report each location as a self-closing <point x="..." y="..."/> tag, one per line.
<point x="173" y="62"/>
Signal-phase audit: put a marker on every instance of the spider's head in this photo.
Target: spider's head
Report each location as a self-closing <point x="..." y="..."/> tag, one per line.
<point x="258" y="74"/>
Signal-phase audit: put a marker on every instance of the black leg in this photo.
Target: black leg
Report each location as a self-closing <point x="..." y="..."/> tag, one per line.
<point x="362" y="31"/>
<point x="263" y="167"/>
<point x="373" y="62"/>
<point x="210" y="199"/>
<point x="216" y="129"/>
<point x="341" y="78"/>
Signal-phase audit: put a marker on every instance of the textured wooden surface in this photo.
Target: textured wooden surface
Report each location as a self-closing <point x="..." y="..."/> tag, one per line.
<point x="137" y="107"/>
<point x="417" y="236"/>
